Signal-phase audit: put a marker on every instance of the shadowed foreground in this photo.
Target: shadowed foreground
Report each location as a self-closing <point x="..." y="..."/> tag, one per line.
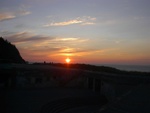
<point x="54" y="100"/>
<point x="47" y="89"/>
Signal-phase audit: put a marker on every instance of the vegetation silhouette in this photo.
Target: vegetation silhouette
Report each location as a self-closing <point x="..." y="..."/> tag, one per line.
<point x="9" y="53"/>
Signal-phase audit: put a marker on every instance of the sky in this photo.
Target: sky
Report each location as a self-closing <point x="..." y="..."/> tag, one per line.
<point x="86" y="31"/>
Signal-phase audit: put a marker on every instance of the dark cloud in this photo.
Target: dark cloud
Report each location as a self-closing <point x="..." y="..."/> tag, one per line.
<point x="26" y="37"/>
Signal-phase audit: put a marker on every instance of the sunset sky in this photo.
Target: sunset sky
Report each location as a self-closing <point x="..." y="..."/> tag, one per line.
<point x="86" y="31"/>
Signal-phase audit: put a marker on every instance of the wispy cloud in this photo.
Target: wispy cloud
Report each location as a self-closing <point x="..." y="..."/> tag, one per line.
<point x="88" y="23"/>
<point x="23" y="37"/>
<point x="6" y="16"/>
<point x="23" y="13"/>
<point x="85" y="20"/>
<point x="78" y="51"/>
<point x="43" y="46"/>
<point x="68" y="39"/>
<point x="23" y="10"/>
<point x="64" y="23"/>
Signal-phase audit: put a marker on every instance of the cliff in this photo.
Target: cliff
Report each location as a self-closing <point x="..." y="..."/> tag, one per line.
<point x="9" y="53"/>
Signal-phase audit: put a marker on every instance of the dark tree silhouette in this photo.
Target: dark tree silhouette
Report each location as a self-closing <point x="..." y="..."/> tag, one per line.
<point x="9" y="53"/>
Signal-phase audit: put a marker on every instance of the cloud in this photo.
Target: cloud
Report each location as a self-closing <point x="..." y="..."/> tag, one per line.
<point x="23" y="10"/>
<point x="68" y="39"/>
<point x="33" y="45"/>
<point x="11" y="15"/>
<point x="63" y="23"/>
<point x="6" y="16"/>
<point x="40" y="40"/>
<point x="22" y="37"/>
<point x="78" y="51"/>
<point x="85" y="20"/>
<point x="88" y="23"/>
<point x="23" y="13"/>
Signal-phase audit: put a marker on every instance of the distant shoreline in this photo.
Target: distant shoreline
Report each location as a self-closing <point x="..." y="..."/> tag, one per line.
<point x="139" y="68"/>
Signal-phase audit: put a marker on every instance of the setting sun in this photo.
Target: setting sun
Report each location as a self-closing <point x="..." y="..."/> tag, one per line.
<point x="68" y="60"/>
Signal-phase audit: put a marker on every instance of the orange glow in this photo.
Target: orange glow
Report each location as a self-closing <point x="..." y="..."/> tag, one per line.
<point x="68" y="60"/>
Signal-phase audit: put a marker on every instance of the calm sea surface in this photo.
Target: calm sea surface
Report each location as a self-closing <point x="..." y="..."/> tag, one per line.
<point x="141" y="68"/>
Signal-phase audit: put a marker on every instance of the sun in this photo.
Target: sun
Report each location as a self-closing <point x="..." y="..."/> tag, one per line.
<point x="68" y="60"/>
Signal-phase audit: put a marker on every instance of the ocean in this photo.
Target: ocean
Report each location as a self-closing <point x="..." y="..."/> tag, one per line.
<point x="140" y="68"/>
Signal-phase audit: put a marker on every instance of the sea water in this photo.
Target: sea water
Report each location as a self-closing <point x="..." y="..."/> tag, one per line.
<point x="140" y="68"/>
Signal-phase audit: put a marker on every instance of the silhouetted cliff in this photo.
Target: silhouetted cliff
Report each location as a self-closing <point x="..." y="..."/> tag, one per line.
<point x="9" y="53"/>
